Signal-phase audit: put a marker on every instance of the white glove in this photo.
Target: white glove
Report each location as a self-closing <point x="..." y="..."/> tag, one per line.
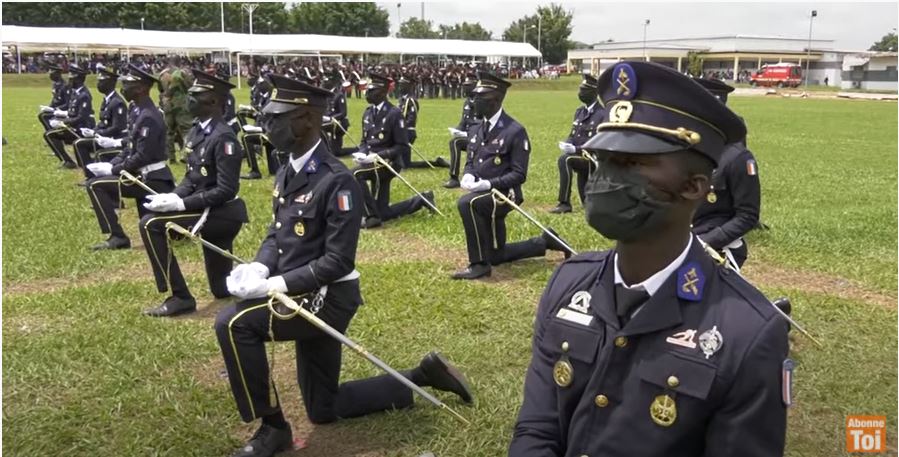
<point x="249" y="287"/>
<point x="164" y="203"/>
<point x="56" y="123"/>
<point x="245" y="107"/>
<point x="100" y="169"/>
<point x="246" y="270"/>
<point x="46" y="109"/>
<point x="363" y="158"/>
<point x="567" y="148"/>
<point x="456" y="133"/>
<point x="86" y="132"/>
<point x="61" y="113"/>
<point x="481" y="185"/>
<point x="326" y="119"/>
<point x="467" y="180"/>
<point x="106" y="143"/>
<point x="252" y="129"/>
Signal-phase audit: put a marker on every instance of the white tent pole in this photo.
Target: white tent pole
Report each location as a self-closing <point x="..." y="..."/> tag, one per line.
<point x="19" y="59"/>
<point x="238" y="70"/>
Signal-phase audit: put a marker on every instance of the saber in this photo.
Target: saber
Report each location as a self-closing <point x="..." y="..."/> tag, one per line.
<point x="384" y="162"/>
<point x="534" y="221"/>
<point x="724" y="261"/>
<point x="137" y="181"/>
<point x="358" y="349"/>
<point x="415" y="150"/>
<point x="207" y="244"/>
<point x="345" y="133"/>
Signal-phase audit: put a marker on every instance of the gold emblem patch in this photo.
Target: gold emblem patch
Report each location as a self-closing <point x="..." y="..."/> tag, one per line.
<point x="711" y="197"/>
<point x="299" y="229"/>
<point x="563" y="373"/>
<point x="621" y="112"/>
<point x="203" y="171"/>
<point x="497" y="160"/>
<point x="663" y="410"/>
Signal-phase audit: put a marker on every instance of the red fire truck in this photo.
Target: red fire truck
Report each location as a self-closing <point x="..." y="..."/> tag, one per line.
<point x="780" y="75"/>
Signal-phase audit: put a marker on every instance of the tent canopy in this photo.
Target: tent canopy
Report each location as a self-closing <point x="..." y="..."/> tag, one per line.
<point x="56" y="38"/>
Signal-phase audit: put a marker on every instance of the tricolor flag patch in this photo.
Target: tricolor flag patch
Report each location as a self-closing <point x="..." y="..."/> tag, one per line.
<point x="229" y="148"/>
<point x="344" y="201"/>
<point x="751" y="168"/>
<point x="787" y="382"/>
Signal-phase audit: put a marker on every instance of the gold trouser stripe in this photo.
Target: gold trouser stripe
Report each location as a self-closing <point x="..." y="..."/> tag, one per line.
<point x="475" y="222"/>
<point x="377" y="184"/>
<point x="164" y="268"/>
<point x="94" y="196"/>
<point x="243" y="380"/>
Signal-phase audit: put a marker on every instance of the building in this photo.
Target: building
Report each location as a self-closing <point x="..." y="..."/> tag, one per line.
<point x="731" y="57"/>
<point x="870" y="71"/>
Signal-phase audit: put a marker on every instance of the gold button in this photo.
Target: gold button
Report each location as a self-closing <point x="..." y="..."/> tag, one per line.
<point x="281" y="200"/>
<point x="601" y="400"/>
<point x="280" y="251"/>
<point x="621" y="341"/>
<point x="564" y="346"/>
<point x="277" y="225"/>
<point x="673" y="381"/>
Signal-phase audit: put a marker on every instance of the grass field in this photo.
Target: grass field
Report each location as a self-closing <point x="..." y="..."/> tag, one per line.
<point x="85" y="374"/>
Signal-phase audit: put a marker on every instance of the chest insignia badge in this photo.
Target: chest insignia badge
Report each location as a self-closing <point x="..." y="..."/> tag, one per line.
<point x="711" y="341"/>
<point x="663" y="410"/>
<point x="203" y="171"/>
<point x="497" y="160"/>
<point x="580" y="301"/>
<point x="299" y="229"/>
<point x="684" y="339"/>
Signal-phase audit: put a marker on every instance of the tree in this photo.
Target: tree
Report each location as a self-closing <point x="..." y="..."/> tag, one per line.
<point x="345" y="19"/>
<point x="886" y="44"/>
<point x="464" y="31"/>
<point x="416" y="28"/>
<point x="694" y="64"/>
<point x="553" y="33"/>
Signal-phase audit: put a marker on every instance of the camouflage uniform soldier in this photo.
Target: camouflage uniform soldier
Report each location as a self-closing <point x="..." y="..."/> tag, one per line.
<point x="173" y="85"/>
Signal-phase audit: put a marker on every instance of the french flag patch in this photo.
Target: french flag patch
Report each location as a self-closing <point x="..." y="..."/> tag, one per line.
<point x="344" y="201"/>
<point x="229" y="148"/>
<point x="751" y="168"/>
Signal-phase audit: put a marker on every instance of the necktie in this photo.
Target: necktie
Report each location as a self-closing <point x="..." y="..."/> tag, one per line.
<point x="290" y="174"/>
<point x="485" y="129"/>
<point x="626" y="300"/>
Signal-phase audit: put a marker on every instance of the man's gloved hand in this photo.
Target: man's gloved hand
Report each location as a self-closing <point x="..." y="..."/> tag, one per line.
<point x="467" y="180"/>
<point x="107" y="143"/>
<point x="164" y="203"/>
<point x="56" y="123"/>
<point x="61" y="113"/>
<point x="252" y="129"/>
<point x="456" y="133"/>
<point x="481" y="185"/>
<point x="254" y="286"/>
<point x="246" y="270"/>
<point x="86" y="132"/>
<point x="46" y="109"/>
<point x="567" y="148"/>
<point x="245" y="107"/>
<point x="100" y="169"/>
<point x="363" y="158"/>
<point x="326" y="119"/>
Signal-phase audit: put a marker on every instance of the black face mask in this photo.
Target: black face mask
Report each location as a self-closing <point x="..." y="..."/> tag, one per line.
<point x="373" y="96"/>
<point x="198" y="107"/>
<point x="106" y="86"/>
<point x="77" y="81"/>
<point x="619" y="206"/>
<point x="483" y="107"/>
<point x="586" y="97"/>
<point x="130" y="92"/>
<point x="281" y="133"/>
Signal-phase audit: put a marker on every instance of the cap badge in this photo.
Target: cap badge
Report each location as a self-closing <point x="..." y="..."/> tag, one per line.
<point x="627" y="81"/>
<point x="621" y="112"/>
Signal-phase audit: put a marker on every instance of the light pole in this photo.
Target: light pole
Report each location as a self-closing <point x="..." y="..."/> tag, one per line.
<point x="141" y="24"/>
<point x="249" y="8"/>
<point x="540" y="39"/>
<point x="808" y="56"/>
<point x="645" y="25"/>
<point x="524" y="38"/>
<point x="398" y="18"/>
<point x="269" y="27"/>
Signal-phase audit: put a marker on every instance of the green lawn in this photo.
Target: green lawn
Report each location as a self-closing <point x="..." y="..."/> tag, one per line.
<point x="85" y="374"/>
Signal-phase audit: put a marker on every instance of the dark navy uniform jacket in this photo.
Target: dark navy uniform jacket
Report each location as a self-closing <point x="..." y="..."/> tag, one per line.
<point x="737" y="203"/>
<point x="384" y="133"/>
<point x="81" y="109"/>
<point x="726" y="404"/>
<point x="113" y="117"/>
<point x="315" y="227"/>
<point x="468" y="118"/>
<point x="583" y="127"/>
<point x="212" y="178"/>
<point x="146" y="144"/>
<point x="133" y="113"/>
<point x="60" y="98"/>
<point x="500" y="155"/>
<point x="230" y="112"/>
<point x="408" y="104"/>
<point x="337" y="109"/>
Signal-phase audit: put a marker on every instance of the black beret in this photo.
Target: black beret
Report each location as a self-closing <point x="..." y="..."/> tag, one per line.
<point x="290" y="94"/>
<point x="652" y="109"/>
<point x="489" y="83"/>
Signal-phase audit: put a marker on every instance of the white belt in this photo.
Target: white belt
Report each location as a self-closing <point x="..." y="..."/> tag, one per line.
<point x="152" y="167"/>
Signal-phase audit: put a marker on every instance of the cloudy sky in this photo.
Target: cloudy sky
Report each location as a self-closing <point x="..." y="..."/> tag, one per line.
<point x="853" y="25"/>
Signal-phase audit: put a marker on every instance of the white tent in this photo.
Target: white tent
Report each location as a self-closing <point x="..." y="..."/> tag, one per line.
<point x="56" y="38"/>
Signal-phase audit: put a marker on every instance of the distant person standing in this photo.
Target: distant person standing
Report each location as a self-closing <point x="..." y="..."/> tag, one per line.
<point x="60" y="98"/>
<point x="173" y="85"/>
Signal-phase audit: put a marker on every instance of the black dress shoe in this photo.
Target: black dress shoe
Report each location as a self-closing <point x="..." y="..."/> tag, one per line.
<point x="252" y="175"/>
<point x="441" y="162"/>
<point x="266" y="442"/>
<point x="114" y="242"/>
<point x="173" y="306"/>
<point x="554" y="245"/>
<point x="561" y="208"/>
<point x="444" y="376"/>
<point x="371" y="222"/>
<point x="82" y="183"/>
<point x="452" y="183"/>
<point x="429" y="196"/>
<point x="474" y="271"/>
<point x="68" y="165"/>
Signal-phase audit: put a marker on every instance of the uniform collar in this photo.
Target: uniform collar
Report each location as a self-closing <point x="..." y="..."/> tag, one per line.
<point x="591" y="107"/>
<point x="203" y="124"/>
<point x="494" y="119"/>
<point x="300" y="161"/>
<point x="652" y="284"/>
<point x="109" y="95"/>
<point x="380" y="106"/>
